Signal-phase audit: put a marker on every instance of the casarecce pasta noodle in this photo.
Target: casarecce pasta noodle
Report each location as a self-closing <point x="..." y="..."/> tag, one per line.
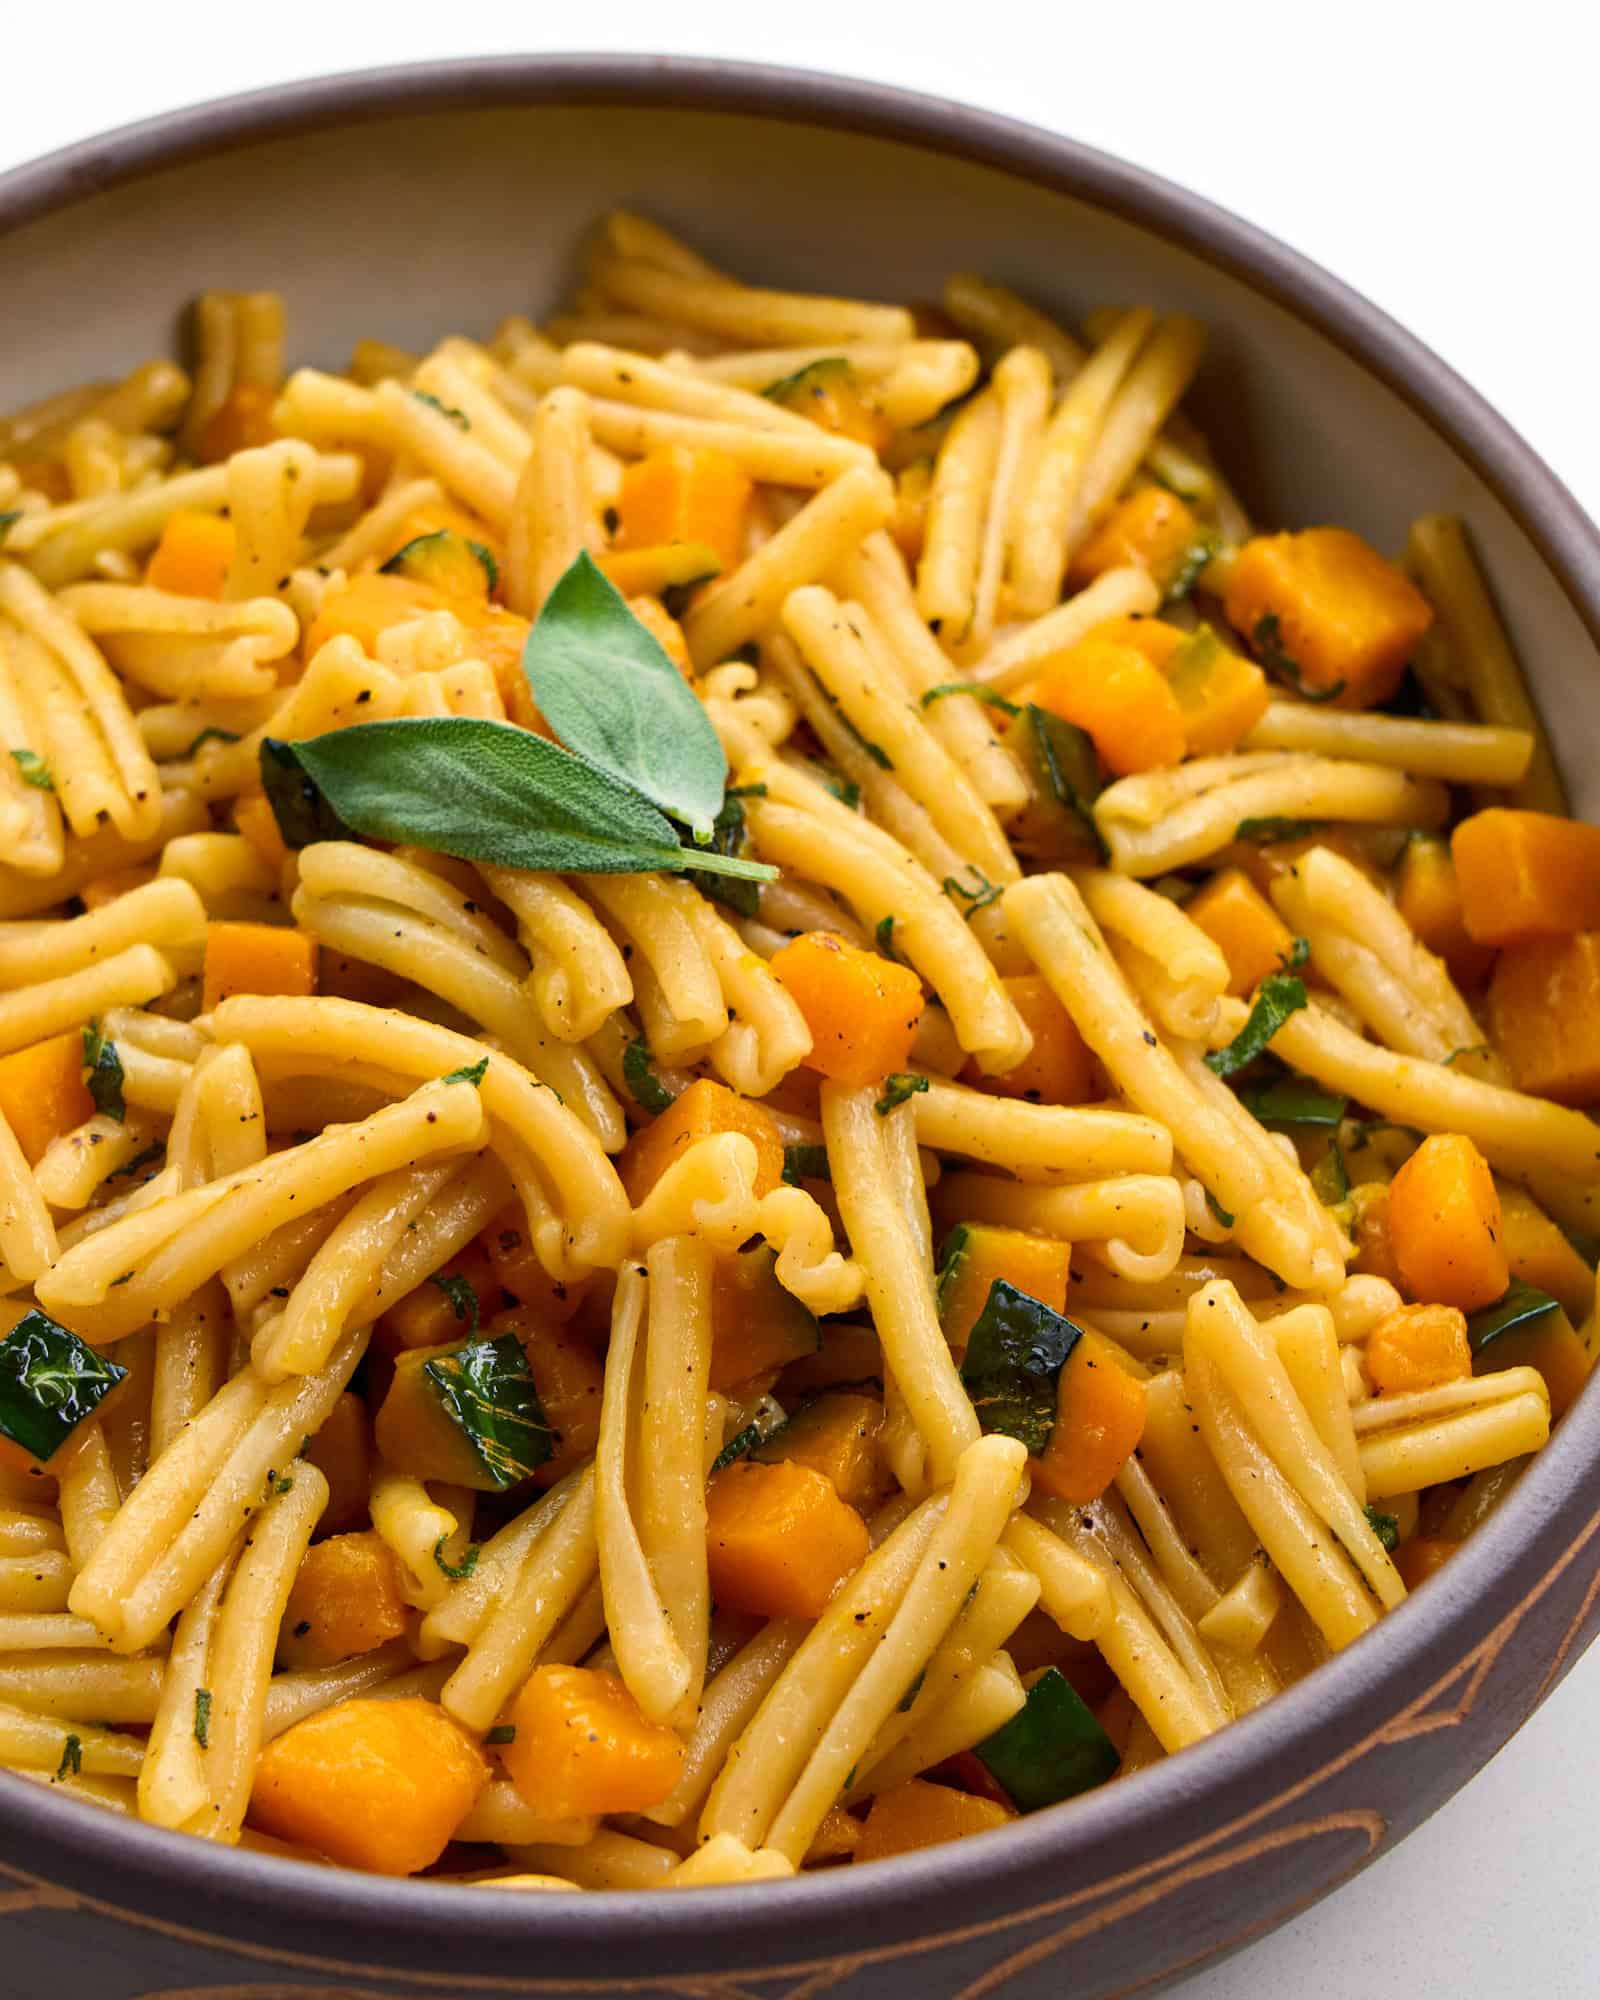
<point x="758" y="1101"/>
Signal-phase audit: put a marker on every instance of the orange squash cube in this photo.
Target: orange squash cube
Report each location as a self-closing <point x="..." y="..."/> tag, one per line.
<point x="977" y="1253"/>
<point x="779" y="1540"/>
<point x="862" y="1010"/>
<point x="1107" y="685"/>
<point x="1544" y="1016"/>
<point x="1327" y="602"/>
<point x="342" y="1452"/>
<point x="1428" y="896"/>
<point x="701" y="1111"/>
<point x="1099" y="1422"/>
<point x="1243" y="926"/>
<point x="379" y="1785"/>
<point x="192" y="557"/>
<point x="1058" y="1069"/>
<point x="1418" y="1347"/>
<point x="684" y="493"/>
<point x="1526" y="875"/>
<point x="1444" y="1225"/>
<point x="918" y="1814"/>
<point x="43" y="1094"/>
<point x="837" y="1435"/>
<point x="1152" y="530"/>
<point x="345" y="1601"/>
<point x="257" y="958"/>
<point x="584" y="1746"/>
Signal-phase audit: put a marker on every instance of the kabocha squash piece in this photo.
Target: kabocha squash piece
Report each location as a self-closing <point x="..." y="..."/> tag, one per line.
<point x="1544" y="1016"/>
<point x="862" y="1010"/>
<point x="756" y="1326"/>
<point x="1152" y="530"/>
<point x="255" y="820"/>
<point x="1325" y="612"/>
<point x="342" y="1452"/>
<point x="1526" y="875"/>
<point x="1527" y="1329"/>
<point x="918" y="1814"/>
<point x="829" y="392"/>
<point x="1418" y="1347"/>
<point x="569" y="1379"/>
<point x="460" y="569"/>
<point x="1058" y="1069"/>
<point x="345" y="1601"/>
<point x="676" y="566"/>
<point x="365" y="606"/>
<point x="257" y="958"/>
<point x="1222" y="694"/>
<point x="1369" y="1226"/>
<point x="1428" y="896"/>
<point x="704" y="1109"/>
<point x="192" y="557"/>
<point x="1423" y="1556"/>
<point x="241" y="421"/>
<point x="467" y="1414"/>
<point x="378" y="1785"/>
<point x="844" y="1355"/>
<point x="582" y="1745"/>
<point x="837" y="1839"/>
<point x="1107" y="685"/>
<point x="1444" y="1225"/>
<point x="684" y="493"/>
<point x="1243" y="926"/>
<point x="779" y="1540"/>
<point x="837" y="1435"/>
<point x="1058" y="761"/>
<point x="43" y="1094"/>
<point x="1051" y="1749"/>
<point x="1540" y="1255"/>
<point x="448" y="1306"/>
<point x="1100" y="1410"/>
<point x="977" y="1253"/>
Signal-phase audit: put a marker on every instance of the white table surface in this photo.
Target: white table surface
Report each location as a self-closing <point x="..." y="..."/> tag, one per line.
<point x="1439" y="158"/>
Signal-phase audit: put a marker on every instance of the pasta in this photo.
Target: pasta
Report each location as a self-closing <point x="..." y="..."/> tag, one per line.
<point x="949" y="1205"/>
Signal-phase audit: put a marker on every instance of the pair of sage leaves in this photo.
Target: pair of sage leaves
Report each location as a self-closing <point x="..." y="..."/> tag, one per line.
<point x="638" y="747"/>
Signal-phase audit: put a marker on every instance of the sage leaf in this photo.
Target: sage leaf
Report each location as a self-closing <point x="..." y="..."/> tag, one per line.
<point x="1277" y="997"/>
<point x="612" y="695"/>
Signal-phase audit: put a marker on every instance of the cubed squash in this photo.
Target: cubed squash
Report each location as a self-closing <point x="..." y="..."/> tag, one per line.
<point x="257" y="958"/>
<point x="1526" y="875"/>
<point x="684" y="493"/>
<point x="704" y="1109"/>
<point x="364" y="606"/>
<point x="1552" y="1345"/>
<point x="254" y="818"/>
<point x="837" y="1435"/>
<point x="1152" y="530"/>
<point x="443" y="1308"/>
<point x="1222" y="695"/>
<point x="241" y="421"/>
<point x="377" y="1785"/>
<point x="1243" y="926"/>
<point x="1100" y="1412"/>
<point x="779" y="1540"/>
<point x="345" y="1601"/>
<point x="919" y="1814"/>
<point x="1323" y="608"/>
<point x="342" y="1452"/>
<point x="1058" y="1069"/>
<point x="1428" y="896"/>
<point x="519" y="1273"/>
<point x="43" y="1094"/>
<point x="862" y="1009"/>
<point x="1107" y="685"/>
<point x="1418" y="1347"/>
<point x="193" y="555"/>
<point x="977" y="1253"/>
<point x="1544" y="1016"/>
<point x="1444" y="1225"/>
<point x="831" y="394"/>
<point x="570" y="1380"/>
<point x="756" y="1325"/>
<point x="581" y="1745"/>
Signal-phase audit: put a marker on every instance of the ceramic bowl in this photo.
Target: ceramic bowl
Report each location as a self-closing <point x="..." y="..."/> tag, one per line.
<point x="408" y="203"/>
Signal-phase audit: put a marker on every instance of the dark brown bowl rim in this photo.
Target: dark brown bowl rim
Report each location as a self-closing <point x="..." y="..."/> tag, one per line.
<point x="1414" y="1647"/>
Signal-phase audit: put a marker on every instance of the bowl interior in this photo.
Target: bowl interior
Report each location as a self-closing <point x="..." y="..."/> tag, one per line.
<point x="412" y="225"/>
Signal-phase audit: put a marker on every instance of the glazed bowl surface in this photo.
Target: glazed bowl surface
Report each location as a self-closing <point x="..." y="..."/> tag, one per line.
<point x="410" y="203"/>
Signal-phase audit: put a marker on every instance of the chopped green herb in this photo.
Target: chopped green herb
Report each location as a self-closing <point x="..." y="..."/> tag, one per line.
<point x="71" y="1765"/>
<point x="503" y="1732"/>
<point x="1330" y="1177"/>
<point x="211" y="735"/>
<point x="812" y="380"/>
<point x="9" y="518"/>
<point x="458" y="417"/>
<point x="1051" y="1749"/>
<point x="279" y="1483"/>
<point x="1386" y="1527"/>
<point x="487" y="1392"/>
<point x="908" y="1699"/>
<point x="50" y="1381"/>
<point x="979" y="690"/>
<point x="1292" y="1100"/>
<point x="1471" y="1049"/>
<point x="1219" y="1211"/>
<point x="34" y="770"/>
<point x="457" y="1572"/>
<point x="1268" y="641"/>
<point x="472" y="1073"/>
<point x="1012" y="1367"/>
<point x="1277" y="997"/>
<point x="1274" y="826"/>
<point x="897" y="1088"/>
<point x="1195" y="558"/>
<point x="638" y="1072"/>
<point x="875" y="751"/>
<point x="845" y="790"/>
<point x="1522" y="1304"/>
<point x="202" y="1717"/>
<point x="105" y="1076"/>
<point x="1297" y="954"/>
<point x="805" y="1163"/>
<point x="1063" y="773"/>
<point x="736" y="1447"/>
<point x="977" y="899"/>
<point x="884" y="935"/>
<point x="463" y="1298"/>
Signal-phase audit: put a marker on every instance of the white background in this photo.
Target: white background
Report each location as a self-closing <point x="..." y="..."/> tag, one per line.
<point x="1437" y="157"/>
